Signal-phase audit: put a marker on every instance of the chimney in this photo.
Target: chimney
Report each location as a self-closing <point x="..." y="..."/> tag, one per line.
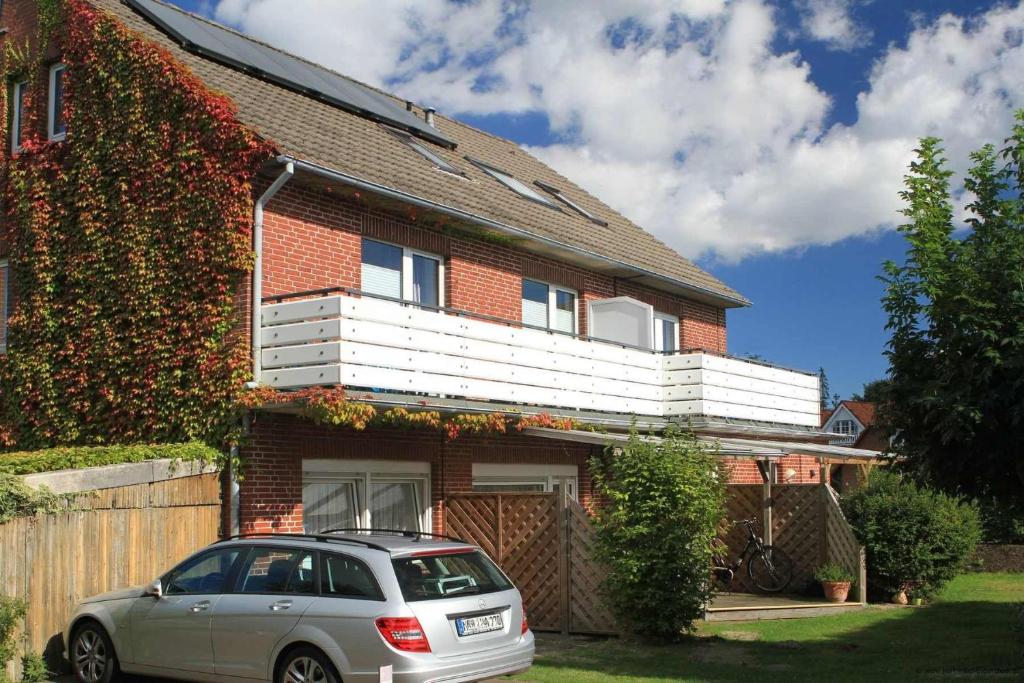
<point x="408" y="105"/>
<point x="428" y="116"/>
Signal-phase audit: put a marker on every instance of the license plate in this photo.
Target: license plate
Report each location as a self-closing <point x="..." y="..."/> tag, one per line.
<point x="468" y="626"/>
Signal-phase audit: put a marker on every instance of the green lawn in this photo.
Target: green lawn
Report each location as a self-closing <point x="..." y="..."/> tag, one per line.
<point x="974" y="631"/>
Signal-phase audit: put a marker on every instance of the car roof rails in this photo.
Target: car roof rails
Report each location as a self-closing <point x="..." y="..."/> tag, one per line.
<point x="315" y="537"/>
<point x="416" y="535"/>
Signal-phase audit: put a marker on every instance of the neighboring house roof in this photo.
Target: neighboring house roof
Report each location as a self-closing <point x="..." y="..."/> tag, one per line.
<point x="325" y="135"/>
<point x="826" y="413"/>
<point x="862" y="410"/>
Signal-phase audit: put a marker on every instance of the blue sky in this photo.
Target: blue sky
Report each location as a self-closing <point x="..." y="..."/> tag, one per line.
<point x="765" y="140"/>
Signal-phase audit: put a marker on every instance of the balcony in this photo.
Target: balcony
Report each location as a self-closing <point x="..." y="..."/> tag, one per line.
<point x="367" y="343"/>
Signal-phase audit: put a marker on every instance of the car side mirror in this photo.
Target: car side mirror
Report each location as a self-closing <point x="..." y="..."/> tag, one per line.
<point x="155" y="589"/>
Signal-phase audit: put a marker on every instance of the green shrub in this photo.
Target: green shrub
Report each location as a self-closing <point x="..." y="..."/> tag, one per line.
<point x="832" y="572"/>
<point x="1002" y="521"/>
<point x="33" y="668"/>
<point x="78" y="457"/>
<point x="12" y="611"/>
<point x="662" y="503"/>
<point x="915" y="537"/>
<point x="17" y="499"/>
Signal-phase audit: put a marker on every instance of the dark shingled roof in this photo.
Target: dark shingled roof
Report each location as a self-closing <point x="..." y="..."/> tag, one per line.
<point x="310" y="130"/>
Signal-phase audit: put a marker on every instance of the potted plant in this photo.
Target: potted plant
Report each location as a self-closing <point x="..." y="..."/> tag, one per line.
<point x="835" y="580"/>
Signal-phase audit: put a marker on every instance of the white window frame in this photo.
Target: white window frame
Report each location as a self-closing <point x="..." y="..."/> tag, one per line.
<point x="670" y="319"/>
<point x="553" y="289"/>
<point x="845" y="427"/>
<point x="51" y="101"/>
<point x="5" y="301"/>
<point x="494" y="474"/>
<point x="365" y="472"/>
<point x="406" y="279"/>
<point x="16" y="114"/>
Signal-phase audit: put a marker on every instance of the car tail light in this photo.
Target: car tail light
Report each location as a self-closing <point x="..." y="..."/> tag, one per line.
<point x="403" y="633"/>
<point x="526" y="625"/>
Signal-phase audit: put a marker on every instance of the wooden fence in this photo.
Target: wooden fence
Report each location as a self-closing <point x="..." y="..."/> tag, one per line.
<point x="109" y="539"/>
<point x="544" y="542"/>
<point x="806" y="523"/>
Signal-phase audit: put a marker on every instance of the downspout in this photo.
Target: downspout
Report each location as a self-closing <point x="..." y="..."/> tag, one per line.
<point x="257" y="267"/>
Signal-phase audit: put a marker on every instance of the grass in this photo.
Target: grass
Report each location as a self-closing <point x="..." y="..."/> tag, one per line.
<point x="973" y="631"/>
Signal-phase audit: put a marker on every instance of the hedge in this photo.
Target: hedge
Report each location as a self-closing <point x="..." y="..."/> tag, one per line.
<point x="78" y="457"/>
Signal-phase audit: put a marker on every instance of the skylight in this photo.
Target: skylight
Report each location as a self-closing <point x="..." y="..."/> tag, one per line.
<point x="513" y="183"/>
<point x="570" y="203"/>
<point x="423" y="151"/>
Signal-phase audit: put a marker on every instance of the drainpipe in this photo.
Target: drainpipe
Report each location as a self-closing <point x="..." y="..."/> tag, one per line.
<point x="257" y="268"/>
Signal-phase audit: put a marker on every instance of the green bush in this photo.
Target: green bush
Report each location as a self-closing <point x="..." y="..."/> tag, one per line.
<point x="78" y="457"/>
<point x="832" y="572"/>
<point x="17" y="499"/>
<point x="1002" y="521"/>
<point x="915" y="537"/>
<point x="12" y="611"/>
<point x="662" y="503"/>
<point x="33" y="668"/>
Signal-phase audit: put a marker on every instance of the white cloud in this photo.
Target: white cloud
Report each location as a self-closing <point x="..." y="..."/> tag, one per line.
<point x="680" y="113"/>
<point x="831" y="22"/>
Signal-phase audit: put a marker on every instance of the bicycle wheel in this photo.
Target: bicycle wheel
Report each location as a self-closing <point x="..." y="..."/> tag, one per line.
<point x="770" y="571"/>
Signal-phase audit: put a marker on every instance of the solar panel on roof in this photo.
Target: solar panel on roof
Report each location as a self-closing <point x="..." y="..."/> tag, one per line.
<point x="247" y="55"/>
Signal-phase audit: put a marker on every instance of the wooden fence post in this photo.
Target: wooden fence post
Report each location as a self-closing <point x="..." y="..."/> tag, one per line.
<point x="564" y="581"/>
<point x="862" y="578"/>
<point x="767" y="510"/>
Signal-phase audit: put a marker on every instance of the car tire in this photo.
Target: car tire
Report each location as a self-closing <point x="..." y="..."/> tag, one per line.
<point x="306" y="665"/>
<point x="93" y="659"/>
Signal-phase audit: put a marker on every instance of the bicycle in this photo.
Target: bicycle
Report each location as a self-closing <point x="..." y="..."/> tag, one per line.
<point x="769" y="569"/>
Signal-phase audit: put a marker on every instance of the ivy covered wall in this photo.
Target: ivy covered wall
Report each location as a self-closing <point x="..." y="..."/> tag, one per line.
<point x="128" y="241"/>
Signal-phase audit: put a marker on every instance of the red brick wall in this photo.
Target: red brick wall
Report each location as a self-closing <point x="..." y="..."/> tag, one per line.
<point x="312" y="241"/>
<point x="271" y="493"/>
<point x="805" y="467"/>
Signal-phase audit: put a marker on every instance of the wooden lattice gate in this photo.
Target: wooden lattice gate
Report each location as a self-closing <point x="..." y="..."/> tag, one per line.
<point x="545" y="544"/>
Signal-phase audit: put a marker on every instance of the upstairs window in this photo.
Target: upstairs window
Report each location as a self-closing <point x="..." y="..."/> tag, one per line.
<point x="19" y="105"/>
<point x="513" y="183"/>
<point x="666" y="332"/>
<point x="424" y="151"/>
<point x="402" y="273"/>
<point x="56" y="126"/>
<point x="5" y="302"/>
<point x="844" y="427"/>
<point x="560" y="196"/>
<point x="549" y="306"/>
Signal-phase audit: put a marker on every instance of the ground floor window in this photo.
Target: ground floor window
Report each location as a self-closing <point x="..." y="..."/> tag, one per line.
<point x="365" y="495"/>
<point x="525" y="478"/>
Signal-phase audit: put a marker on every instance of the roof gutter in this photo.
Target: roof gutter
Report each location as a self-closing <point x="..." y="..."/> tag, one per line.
<point x="257" y="267"/>
<point x="346" y="179"/>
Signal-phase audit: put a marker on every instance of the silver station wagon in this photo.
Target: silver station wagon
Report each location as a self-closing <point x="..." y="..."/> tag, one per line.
<point x="336" y="606"/>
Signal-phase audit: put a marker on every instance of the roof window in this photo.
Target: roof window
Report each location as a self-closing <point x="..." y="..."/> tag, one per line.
<point x="512" y="183"/>
<point x="424" y="151"/>
<point x="560" y="196"/>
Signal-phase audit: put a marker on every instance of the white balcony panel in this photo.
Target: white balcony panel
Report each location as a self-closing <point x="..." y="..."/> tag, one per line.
<point x="301" y="333"/>
<point x="733" y="381"/>
<point x="305" y="354"/>
<point x="372" y="344"/>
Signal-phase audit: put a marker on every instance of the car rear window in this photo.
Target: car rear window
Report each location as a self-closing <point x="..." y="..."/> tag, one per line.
<point x="448" y="575"/>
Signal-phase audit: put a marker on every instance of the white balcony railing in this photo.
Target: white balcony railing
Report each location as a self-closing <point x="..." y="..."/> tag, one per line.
<point x="368" y="343"/>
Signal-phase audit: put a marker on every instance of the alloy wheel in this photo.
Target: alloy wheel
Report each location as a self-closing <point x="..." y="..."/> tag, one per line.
<point x="304" y="670"/>
<point x="90" y="656"/>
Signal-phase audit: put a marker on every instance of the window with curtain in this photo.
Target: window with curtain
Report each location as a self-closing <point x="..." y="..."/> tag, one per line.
<point x="666" y="332"/>
<point x="19" y="98"/>
<point x="56" y="125"/>
<point x="5" y="303"/>
<point x="549" y="306"/>
<point x="401" y="273"/>
<point x="395" y="505"/>
<point x="331" y="504"/>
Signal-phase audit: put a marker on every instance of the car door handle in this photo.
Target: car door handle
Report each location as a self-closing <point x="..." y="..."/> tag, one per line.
<point x="200" y="606"/>
<point x="280" y="605"/>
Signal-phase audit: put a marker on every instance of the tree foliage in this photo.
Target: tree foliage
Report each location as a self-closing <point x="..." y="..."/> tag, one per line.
<point x="916" y="538"/>
<point x="654" y="532"/>
<point x="956" y="316"/>
<point x="874" y="391"/>
<point x="129" y="241"/>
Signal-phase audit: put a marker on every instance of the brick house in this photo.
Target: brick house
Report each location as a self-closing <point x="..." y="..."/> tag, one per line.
<point x="424" y="264"/>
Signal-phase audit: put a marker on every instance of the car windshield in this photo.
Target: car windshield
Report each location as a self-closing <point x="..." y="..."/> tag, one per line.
<point x="448" y="575"/>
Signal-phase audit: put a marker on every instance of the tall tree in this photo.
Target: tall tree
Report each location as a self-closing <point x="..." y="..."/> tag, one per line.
<point x="956" y="318"/>
<point x="825" y="389"/>
<point x="873" y="392"/>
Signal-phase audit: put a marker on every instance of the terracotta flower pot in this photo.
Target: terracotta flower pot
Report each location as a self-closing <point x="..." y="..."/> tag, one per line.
<point x="836" y="591"/>
<point x="900" y="598"/>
